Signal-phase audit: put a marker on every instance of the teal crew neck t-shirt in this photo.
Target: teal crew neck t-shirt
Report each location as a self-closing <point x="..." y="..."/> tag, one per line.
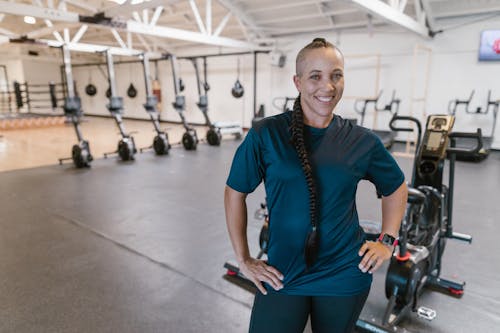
<point x="341" y="155"/>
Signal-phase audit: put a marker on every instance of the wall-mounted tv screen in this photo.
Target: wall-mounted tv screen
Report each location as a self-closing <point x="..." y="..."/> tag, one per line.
<point x="489" y="48"/>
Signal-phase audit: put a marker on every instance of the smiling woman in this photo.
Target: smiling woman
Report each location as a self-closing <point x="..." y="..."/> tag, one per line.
<point x="319" y="263"/>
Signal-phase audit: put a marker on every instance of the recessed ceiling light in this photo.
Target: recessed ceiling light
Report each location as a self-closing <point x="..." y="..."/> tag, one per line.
<point x="29" y="20"/>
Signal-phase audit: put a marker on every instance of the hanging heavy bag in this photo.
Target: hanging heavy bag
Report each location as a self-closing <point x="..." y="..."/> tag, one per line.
<point x="90" y="89"/>
<point x="237" y="91"/>
<point x="131" y="91"/>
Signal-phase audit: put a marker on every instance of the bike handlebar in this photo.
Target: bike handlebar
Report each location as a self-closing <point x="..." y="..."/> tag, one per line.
<point x="474" y="135"/>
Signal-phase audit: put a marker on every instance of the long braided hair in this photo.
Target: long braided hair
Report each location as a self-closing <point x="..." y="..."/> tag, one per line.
<point x="297" y="139"/>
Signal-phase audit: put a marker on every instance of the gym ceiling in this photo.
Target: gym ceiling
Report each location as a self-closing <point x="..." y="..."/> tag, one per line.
<point x="159" y="26"/>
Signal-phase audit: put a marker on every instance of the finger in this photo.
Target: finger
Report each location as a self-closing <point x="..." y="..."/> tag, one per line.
<point x="259" y="286"/>
<point x="275" y="272"/>
<point x="368" y="259"/>
<point x="363" y="249"/>
<point x="271" y="279"/>
<point x="376" y="266"/>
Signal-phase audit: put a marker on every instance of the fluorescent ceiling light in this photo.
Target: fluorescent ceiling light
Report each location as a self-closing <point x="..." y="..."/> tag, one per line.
<point x="29" y="20"/>
<point x="120" y="2"/>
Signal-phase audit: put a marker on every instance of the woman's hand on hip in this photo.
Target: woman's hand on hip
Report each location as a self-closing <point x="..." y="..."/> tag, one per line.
<point x="259" y="271"/>
<point x="374" y="254"/>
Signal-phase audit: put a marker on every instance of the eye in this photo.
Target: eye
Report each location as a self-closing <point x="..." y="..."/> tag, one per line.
<point x="314" y="77"/>
<point x="337" y="76"/>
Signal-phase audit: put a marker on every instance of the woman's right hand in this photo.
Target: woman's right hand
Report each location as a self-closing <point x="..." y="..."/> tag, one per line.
<point x="259" y="271"/>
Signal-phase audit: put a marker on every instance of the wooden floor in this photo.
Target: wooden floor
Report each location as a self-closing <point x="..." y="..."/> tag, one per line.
<point x="33" y="147"/>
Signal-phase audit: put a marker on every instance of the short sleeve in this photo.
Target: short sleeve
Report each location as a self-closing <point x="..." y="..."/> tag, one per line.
<point x="247" y="168"/>
<point x="383" y="170"/>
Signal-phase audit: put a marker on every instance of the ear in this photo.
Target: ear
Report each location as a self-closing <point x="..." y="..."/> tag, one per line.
<point x="296" y="81"/>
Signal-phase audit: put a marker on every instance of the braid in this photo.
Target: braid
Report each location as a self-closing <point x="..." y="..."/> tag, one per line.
<point x="297" y="129"/>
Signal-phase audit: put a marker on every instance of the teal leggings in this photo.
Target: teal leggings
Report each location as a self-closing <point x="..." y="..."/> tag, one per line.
<point x="279" y="313"/>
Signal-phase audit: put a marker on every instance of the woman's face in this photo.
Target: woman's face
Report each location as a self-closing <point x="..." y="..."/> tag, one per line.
<point x="320" y="81"/>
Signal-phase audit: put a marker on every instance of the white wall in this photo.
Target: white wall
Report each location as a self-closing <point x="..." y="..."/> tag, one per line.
<point x="454" y="72"/>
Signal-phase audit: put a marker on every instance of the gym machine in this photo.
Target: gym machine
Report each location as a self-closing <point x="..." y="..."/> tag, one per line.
<point x="417" y="260"/>
<point x="387" y="137"/>
<point x="126" y="146"/>
<point x="216" y="129"/>
<point x="189" y="138"/>
<point x="161" y="145"/>
<point x="80" y="153"/>
<point x="214" y="135"/>
<point x="486" y="140"/>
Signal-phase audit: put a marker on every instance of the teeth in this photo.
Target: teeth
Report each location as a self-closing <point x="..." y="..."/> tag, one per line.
<point x="325" y="99"/>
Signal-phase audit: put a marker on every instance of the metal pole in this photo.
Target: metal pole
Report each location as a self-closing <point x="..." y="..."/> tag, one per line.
<point x="111" y="73"/>
<point x="145" y="65"/>
<point x="255" y="84"/>
<point x="67" y="70"/>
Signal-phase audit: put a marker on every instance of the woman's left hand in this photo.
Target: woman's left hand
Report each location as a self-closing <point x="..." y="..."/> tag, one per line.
<point x="374" y="254"/>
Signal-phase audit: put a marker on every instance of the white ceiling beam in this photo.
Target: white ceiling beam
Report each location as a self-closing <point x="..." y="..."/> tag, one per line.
<point x="50" y="3"/>
<point x="2" y="16"/>
<point x="66" y="35"/>
<point x="145" y="16"/>
<point x="264" y="8"/>
<point x="13" y="8"/>
<point x="136" y="17"/>
<point x="431" y="21"/>
<point x="125" y="9"/>
<point x="129" y="40"/>
<point x="118" y="38"/>
<point x="191" y="36"/>
<point x="93" y="48"/>
<point x="8" y="33"/>
<point x="79" y="33"/>
<point x="208" y="16"/>
<point x="402" y="5"/>
<point x="222" y="24"/>
<point x="156" y="15"/>
<point x="460" y="13"/>
<point x="307" y="16"/>
<point x="49" y="29"/>
<point x="197" y="16"/>
<point x="243" y="18"/>
<point x="4" y="40"/>
<point x="58" y="36"/>
<point x="391" y="15"/>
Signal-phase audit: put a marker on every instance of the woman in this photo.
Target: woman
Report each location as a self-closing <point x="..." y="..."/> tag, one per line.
<point x="311" y="160"/>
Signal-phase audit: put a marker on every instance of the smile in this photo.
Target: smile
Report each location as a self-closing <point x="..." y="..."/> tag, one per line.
<point x="324" y="99"/>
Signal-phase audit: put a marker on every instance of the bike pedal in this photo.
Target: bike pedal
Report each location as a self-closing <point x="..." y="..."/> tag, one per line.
<point x="426" y="313"/>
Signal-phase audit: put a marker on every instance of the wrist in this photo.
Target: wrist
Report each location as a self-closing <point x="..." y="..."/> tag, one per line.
<point x="388" y="240"/>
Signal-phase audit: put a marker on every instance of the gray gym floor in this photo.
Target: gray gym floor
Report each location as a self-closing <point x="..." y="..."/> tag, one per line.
<point x="139" y="247"/>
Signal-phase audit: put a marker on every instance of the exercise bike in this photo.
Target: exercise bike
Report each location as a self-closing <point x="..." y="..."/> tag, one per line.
<point x="387" y="137"/>
<point x="491" y="105"/>
<point x="190" y="137"/>
<point x="80" y="153"/>
<point x="126" y="146"/>
<point x="161" y="144"/>
<point x="427" y="224"/>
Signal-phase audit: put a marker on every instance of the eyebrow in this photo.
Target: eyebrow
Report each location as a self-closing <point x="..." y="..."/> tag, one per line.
<point x="315" y="71"/>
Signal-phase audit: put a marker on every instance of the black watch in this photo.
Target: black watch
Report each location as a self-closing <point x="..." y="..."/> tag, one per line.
<point x="387" y="239"/>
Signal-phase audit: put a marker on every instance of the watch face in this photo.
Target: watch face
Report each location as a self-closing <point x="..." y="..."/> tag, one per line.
<point x="388" y="239"/>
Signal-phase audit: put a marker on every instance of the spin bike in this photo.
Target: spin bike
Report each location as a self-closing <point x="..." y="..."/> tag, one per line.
<point x="189" y="138"/>
<point x="214" y="135"/>
<point x="427" y="224"/>
<point x="392" y="107"/>
<point x="161" y="145"/>
<point x="80" y="153"/>
<point x="126" y="146"/>
<point x="491" y="105"/>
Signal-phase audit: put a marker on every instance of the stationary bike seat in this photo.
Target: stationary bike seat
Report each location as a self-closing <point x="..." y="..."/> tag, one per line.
<point x="415" y="196"/>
